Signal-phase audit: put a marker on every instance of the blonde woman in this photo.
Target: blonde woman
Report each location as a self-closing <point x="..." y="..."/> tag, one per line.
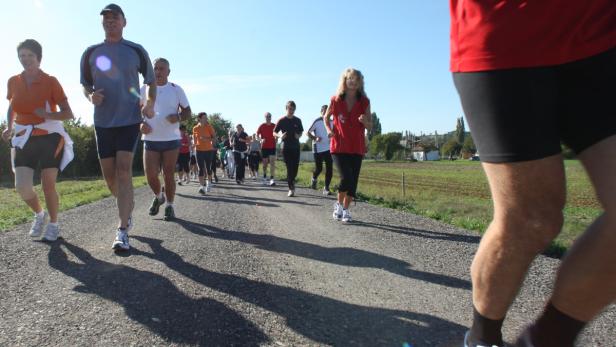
<point x="350" y="110"/>
<point x="40" y="138"/>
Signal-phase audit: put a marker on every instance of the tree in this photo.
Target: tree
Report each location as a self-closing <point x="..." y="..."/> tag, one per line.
<point x="469" y="145"/>
<point x="220" y="125"/>
<point x="386" y="144"/>
<point x="451" y="148"/>
<point x="376" y="127"/>
<point x="460" y="130"/>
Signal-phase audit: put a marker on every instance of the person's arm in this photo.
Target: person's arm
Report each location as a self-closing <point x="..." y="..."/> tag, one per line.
<point x="64" y="113"/>
<point x="148" y="107"/>
<point x="6" y="134"/>
<point x="366" y="118"/>
<point x="300" y="130"/>
<point x="326" y="121"/>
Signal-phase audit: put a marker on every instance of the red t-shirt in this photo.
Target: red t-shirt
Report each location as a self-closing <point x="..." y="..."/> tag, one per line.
<point x="349" y="132"/>
<point x="266" y="132"/>
<point x="184" y="144"/>
<point x="490" y="35"/>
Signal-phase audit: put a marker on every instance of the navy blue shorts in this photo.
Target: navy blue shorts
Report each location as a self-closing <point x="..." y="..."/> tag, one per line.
<point x="161" y="146"/>
<point x="111" y="140"/>
<point x="267" y="152"/>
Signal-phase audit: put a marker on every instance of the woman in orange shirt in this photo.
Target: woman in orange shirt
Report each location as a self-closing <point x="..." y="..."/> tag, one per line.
<point x="34" y="97"/>
<point x="205" y="140"/>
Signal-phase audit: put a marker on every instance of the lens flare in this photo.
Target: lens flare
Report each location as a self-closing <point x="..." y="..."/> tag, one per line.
<point x="135" y="92"/>
<point x="103" y="63"/>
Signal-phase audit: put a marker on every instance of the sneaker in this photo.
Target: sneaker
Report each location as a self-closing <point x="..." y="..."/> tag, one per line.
<point x="272" y="183"/>
<point x="216" y="179"/>
<point x="208" y="187"/>
<point x="264" y="181"/>
<point x="201" y="190"/>
<point x="326" y="192"/>
<point x="155" y="207"/>
<point x="121" y="241"/>
<point x="37" y="226"/>
<point x="313" y="184"/>
<point x="179" y="182"/>
<point x="467" y="343"/>
<point x="51" y="232"/>
<point x="346" y="216"/>
<point x="291" y="193"/>
<point x="337" y="211"/>
<point x="169" y="213"/>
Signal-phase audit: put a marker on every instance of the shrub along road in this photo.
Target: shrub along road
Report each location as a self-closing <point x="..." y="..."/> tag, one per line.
<point x="245" y="265"/>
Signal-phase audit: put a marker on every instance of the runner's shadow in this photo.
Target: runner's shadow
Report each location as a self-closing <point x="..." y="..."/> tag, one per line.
<point x="286" y="201"/>
<point x="434" y="235"/>
<point x="218" y="198"/>
<point x="336" y="255"/>
<point x="319" y="318"/>
<point x="155" y="302"/>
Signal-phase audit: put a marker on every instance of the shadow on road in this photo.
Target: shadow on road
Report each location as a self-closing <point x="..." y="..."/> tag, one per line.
<point x="336" y="255"/>
<point x="319" y="318"/>
<point x="155" y="302"/>
<point x="435" y="235"/>
<point x="217" y="198"/>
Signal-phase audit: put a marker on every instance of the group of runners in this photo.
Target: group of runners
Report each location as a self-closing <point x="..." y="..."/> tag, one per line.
<point x="561" y="84"/>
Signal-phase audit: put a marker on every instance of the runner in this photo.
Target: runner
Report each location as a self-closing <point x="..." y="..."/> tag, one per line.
<point x="238" y="141"/>
<point x="40" y="138"/>
<point x="205" y="140"/>
<point x="222" y="150"/>
<point x="350" y="108"/>
<point x="555" y="73"/>
<point x="268" y="148"/>
<point x="289" y="129"/>
<point x="230" y="157"/>
<point x="117" y="115"/>
<point x="254" y="156"/>
<point x="184" y="157"/>
<point x="162" y="137"/>
<point x="194" y="169"/>
<point x="320" y="150"/>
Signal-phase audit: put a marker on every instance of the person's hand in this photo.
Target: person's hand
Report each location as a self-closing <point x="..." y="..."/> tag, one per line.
<point x="145" y="128"/>
<point x="317" y="139"/>
<point x="297" y="136"/>
<point x="40" y="112"/>
<point x="148" y="109"/>
<point x="97" y="97"/>
<point x="363" y="120"/>
<point x="6" y="134"/>
<point x="284" y="136"/>
<point x="173" y="118"/>
<point x="330" y="132"/>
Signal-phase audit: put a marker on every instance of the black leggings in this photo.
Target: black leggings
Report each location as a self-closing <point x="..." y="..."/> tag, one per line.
<point x="183" y="160"/>
<point x="240" y="165"/>
<point x="204" y="161"/>
<point x="348" y="166"/>
<point x="291" y="160"/>
<point x="253" y="160"/>
<point x="318" y="166"/>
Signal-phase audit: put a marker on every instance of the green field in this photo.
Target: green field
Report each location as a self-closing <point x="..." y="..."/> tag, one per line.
<point x="73" y="193"/>
<point x="456" y="192"/>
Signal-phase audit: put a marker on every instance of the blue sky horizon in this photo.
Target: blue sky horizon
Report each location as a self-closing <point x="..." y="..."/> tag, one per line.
<point x="243" y="58"/>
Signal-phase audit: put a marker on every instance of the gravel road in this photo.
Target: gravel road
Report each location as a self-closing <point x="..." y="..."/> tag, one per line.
<point x="247" y="266"/>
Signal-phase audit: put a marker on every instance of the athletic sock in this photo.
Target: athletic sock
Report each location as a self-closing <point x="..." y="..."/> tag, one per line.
<point x="53" y="224"/>
<point x="485" y="331"/>
<point x="555" y="328"/>
<point x="161" y="196"/>
<point x="169" y="204"/>
<point x="39" y="214"/>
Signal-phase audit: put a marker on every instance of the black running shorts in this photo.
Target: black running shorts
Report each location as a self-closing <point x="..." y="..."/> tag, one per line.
<point x="43" y="150"/>
<point x="111" y="140"/>
<point x="526" y="113"/>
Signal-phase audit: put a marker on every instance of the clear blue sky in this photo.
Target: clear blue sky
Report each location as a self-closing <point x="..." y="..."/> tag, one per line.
<point x="245" y="57"/>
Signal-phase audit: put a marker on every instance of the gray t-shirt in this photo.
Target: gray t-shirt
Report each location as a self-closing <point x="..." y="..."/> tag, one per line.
<point x="115" y="68"/>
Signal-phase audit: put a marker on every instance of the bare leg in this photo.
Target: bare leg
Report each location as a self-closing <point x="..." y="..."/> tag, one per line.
<point x="586" y="281"/>
<point x="151" y="164"/>
<point x="124" y="177"/>
<point x="108" y="167"/>
<point x="528" y="201"/>
<point x="169" y="160"/>
<point x="24" y="185"/>
<point x="48" y="180"/>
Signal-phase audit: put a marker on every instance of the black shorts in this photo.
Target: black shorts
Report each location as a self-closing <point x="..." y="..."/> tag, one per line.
<point x="43" y="150"/>
<point x="111" y="140"/>
<point x="193" y="160"/>
<point x="183" y="160"/>
<point x="268" y="152"/>
<point x="161" y="146"/>
<point x="525" y="113"/>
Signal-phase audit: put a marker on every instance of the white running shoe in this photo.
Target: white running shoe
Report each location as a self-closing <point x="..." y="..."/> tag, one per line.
<point x="337" y="211"/>
<point x="38" y="224"/>
<point x="291" y="193"/>
<point x="272" y="183"/>
<point x="346" y="216"/>
<point x="326" y="192"/>
<point x="201" y="190"/>
<point x="121" y="241"/>
<point x="208" y="187"/>
<point x="51" y="232"/>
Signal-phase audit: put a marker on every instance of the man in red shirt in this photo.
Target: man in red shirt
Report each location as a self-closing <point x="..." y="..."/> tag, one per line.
<point x="268" y="147"/>
<point x="547" y="70"/>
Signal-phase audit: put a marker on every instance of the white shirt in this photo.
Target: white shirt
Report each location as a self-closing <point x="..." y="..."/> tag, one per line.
<point x="318" y="128"/>
<point x="168" y="100"/>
